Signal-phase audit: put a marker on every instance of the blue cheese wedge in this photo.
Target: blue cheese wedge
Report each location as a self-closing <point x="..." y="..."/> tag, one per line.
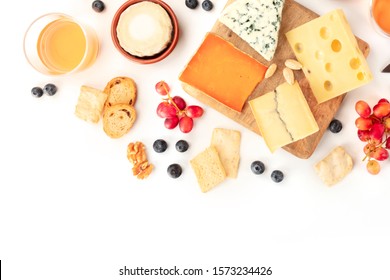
<point x="257" y="22"/>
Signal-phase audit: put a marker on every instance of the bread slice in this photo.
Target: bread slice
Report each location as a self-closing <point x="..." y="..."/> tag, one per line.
<point x="227" y="142"/>
<point x="335" y="166"/>
<point x="90" y="104"/>
<point x="118" y="119"/>
<point x="208" y="169"/>
<point x="120" y="90"/>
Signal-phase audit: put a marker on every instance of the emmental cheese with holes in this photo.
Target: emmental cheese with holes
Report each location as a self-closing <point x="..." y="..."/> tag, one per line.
<point x="331" y="59"/>
<point x="223" y="72"/>
<point x="283" y="116"/>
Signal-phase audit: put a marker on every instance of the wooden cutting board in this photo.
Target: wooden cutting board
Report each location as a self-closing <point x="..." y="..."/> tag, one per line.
<point x="294" y="15"/>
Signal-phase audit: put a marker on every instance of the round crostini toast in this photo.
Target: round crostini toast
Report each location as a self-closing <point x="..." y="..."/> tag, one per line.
<point x="118" y="119"/>
<point x="120" y="90"/>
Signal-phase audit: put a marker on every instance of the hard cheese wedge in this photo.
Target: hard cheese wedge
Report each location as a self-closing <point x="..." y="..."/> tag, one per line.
<point x="257" y="22"/>
<point x="223" y="72"/>
<point x="331" y="58"/>
<point x="283" y="116"/>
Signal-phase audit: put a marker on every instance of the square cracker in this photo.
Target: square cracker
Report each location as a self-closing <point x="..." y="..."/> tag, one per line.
<point x="208" y="169"/>
<point x="335" y="166"/>
<point x="227" y="142"/>
<point x="90" y="104"/>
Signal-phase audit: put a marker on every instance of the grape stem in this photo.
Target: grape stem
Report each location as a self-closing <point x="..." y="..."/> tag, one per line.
<point x="171" y="100"/>
<point x="377" y="146"/>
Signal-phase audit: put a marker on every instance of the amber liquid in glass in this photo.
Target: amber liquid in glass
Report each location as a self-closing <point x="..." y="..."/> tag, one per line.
<point x="62" y="45"/>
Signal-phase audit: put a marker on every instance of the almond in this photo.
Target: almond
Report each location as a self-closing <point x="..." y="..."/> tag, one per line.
<point x="293" y="64"/>
<point x="288" y="75"/>
<point x="270" y="71"/>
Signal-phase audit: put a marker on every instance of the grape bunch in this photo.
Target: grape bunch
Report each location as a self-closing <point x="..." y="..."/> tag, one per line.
<point x="175" y="110"/>
<point x="374" y="128"/>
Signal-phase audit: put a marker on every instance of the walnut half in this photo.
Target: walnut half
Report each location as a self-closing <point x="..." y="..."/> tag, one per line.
<point x="136" y="154"/>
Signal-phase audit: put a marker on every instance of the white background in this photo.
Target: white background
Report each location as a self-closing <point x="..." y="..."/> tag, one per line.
<point x="71" y="209"/>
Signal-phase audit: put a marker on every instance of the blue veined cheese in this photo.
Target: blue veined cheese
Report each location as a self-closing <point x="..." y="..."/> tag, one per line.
<point x="257" y="22"/>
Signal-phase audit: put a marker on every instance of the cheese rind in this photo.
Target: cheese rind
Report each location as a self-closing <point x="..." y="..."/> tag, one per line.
<point x="283" y="116"/>
<point x="223" y="72"/>
<point x="257" y="22"/>
<point x="331" y="59"/>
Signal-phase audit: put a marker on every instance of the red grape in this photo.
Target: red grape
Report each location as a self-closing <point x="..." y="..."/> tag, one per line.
<point x="194" y="111"/>
<point x="180" y="103"/>
<point x="363" y="123"/>
<point x="369" y="150"/>
<point x="175" y="111"/>
<point x="380" y="154"/>
<point x="386" y="122"/>
<point x="377" y="130"/>
<point x="374" y="128"/>
<point x="373" y="167"/>
<point x="375" y="142"/>
<point x="172" y="122"/>
<point x="375" y="119"/>
<point x="363" y="109"/>
<point x="364" y="135"/>
<point x="381" y="109"/>
<point x="166" y="110"/>
<point x="162" y="88"/>
<point x="383" y="100"/>
<point x="186" y="124"/>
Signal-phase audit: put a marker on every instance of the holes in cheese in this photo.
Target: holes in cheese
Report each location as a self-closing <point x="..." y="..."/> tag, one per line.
<point x="354" y="63"/>
<point x="283" y="116"/>
<point x="360" y="76"/>
<point x="336" y="45"/>
<point x="324" y="33"/>
<point x="332" y="61"/>
<point x="223" y="72"/>
<point x="328" y="67"/>
<point x="298" y="48"/>
<point x="328" y="85"/>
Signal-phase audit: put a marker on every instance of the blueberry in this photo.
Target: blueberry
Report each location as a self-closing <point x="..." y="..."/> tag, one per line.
<point x="257" y="167"/>
<point x="50" y="89"/>
<point x="182" y="146"/>
<point x="98" y="6"/>
<point x="277" y="176"/>
<point x="174" y="170"/>
<point x="37" y="91"/>
<point x="335" y="126"/>
<point x="160" y="146"/>
<point x="207" y="5"/>
<point x="192" y="4"/>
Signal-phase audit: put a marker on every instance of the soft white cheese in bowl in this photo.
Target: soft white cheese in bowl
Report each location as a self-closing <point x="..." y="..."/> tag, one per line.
<point x="145" y="29"/>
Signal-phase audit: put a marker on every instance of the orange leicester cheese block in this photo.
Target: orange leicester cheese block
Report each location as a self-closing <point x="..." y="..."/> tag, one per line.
<point x="223" y="72"/>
